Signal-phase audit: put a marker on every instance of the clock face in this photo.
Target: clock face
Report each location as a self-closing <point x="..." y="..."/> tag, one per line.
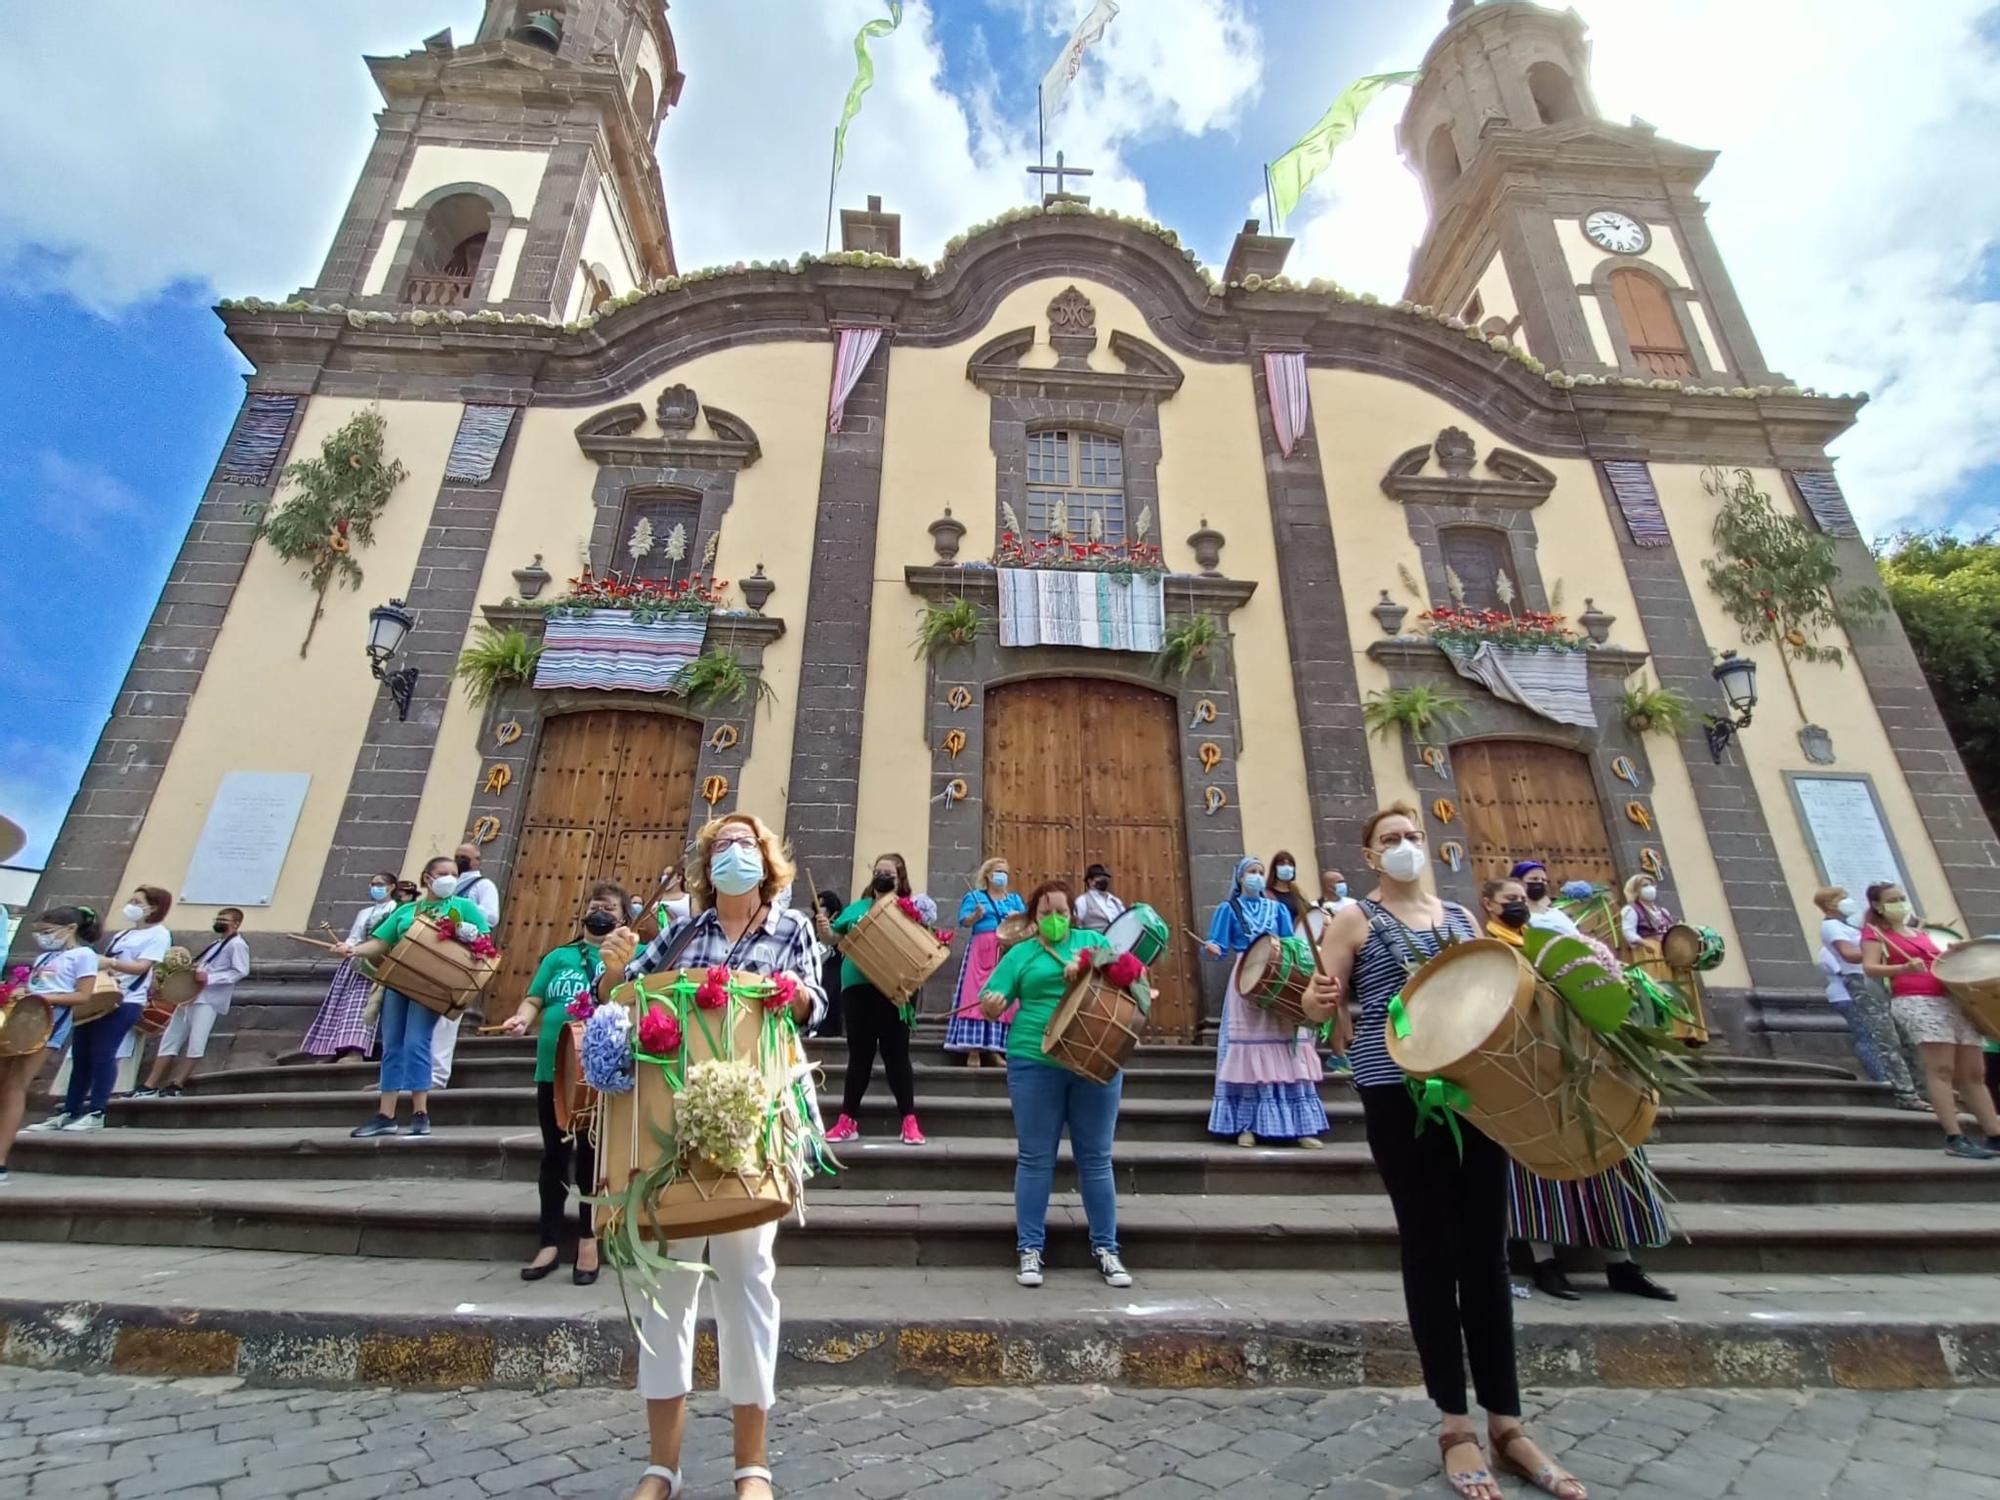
<point x="1617" y="232"/>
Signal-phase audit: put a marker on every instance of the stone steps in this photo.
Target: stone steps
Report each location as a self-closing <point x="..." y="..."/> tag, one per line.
<point x="1715" y="1173"/>
<point x="473" y="1221"/>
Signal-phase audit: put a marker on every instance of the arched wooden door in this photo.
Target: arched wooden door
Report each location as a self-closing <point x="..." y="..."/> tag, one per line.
<point x="1523" y="800"/>
<point x="1081" y="771"/>
<point x="610" y="801"/>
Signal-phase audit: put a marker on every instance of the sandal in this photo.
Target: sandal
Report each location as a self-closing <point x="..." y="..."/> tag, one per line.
<point x="1473" y="1484"/>
<point x="753" y="1471"/>
<point x="1549" y="1479"/>
<point x="671" y="1478"/>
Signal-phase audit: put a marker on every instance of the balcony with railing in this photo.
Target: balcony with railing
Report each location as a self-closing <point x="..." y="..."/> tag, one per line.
<point x="1664" y="362"/>
<point x="437" y="289"/>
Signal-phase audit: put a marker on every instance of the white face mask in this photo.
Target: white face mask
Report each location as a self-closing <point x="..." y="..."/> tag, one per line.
<point x="1406" y="861"/>
<point x="443" y="886"/>
<point x="1849" y="908"/>
<point x="133" y="912"/>
<point x="1649" y="892"/>
<point x="50" y="942"/>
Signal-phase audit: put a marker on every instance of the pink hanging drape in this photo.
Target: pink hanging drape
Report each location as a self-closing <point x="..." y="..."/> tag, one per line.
<point x="1285" y="377"/>
<point x="850" y="358"/>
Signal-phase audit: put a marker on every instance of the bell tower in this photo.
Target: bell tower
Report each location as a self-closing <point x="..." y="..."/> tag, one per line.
<point x="516" y="173"/>
<point x="1582" y="239"/>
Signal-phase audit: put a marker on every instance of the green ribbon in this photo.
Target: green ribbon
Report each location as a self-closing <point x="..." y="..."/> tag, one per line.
<point x="1399" y="1018"/>
<point x="1440" y="1099"/>
<point x="864" y="77"/>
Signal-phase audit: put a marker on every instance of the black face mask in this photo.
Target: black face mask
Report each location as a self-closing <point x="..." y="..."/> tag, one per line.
<point x="1514" y="914"/>
<point x="1536" y="890"/>
<point x="224" y="928"/>
<point x="1102" y="883"/>
<point x="599" y="923"/>
<point x="885" y="883"/>
<point x="463" y="864"/>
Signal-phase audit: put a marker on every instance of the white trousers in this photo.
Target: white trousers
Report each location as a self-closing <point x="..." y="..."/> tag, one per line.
<point x="444" y="1043"/>
<point x="746" y="1320"/>
<point x="188" y="1030"/>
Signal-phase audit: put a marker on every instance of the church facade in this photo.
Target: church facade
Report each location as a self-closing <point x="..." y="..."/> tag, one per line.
<point x="856" y="440"/>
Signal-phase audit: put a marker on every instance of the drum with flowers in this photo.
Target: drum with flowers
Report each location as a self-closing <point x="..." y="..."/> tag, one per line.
<point x="1100" y="1021"/>
<point x="707" y="1120"/>
<point x="441" y="965"/>
<point x="26" y="1020"/>
<point x="894" y="949"/>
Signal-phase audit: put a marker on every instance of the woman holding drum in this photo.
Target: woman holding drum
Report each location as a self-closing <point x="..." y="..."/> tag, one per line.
<point x="1613" y="1211"/>
<point x="985" y="906"/>
<point x="63" y="974"/>
<point x="1267" y="1070"/>
<point x="737" y="868"/>
<point x="1949" y="1045"/>
<point x="1450" y="1202"/>
<point x="874" y="1021"/>
<point x="406" y="1025"/>
<point x="565" y="973"/>
<point x="1036" y="975"/>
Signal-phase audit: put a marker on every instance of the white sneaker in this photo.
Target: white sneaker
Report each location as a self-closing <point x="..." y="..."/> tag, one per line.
<point x="1112" y="1269"/>
<point x="1030" y="1272"/>
<point x="84" y="1123"/>
<point x="53" y="1122"/>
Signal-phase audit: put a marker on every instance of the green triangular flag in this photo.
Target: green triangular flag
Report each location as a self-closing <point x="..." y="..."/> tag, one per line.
<point x="1291" y="172"/>
<point x="864" y="77"/>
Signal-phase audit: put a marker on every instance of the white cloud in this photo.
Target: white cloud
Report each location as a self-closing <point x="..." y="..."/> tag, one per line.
<point x="74" y="500"/>
<point x="1853" y="204"/>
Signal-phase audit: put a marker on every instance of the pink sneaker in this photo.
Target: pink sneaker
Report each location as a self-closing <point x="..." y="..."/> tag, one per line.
<point x="913" y="1135"/>
<point x="843" y="1129"/>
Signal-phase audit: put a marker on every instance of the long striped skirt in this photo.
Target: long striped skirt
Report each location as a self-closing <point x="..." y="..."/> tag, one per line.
<point x="969" y="1030"/>
<point x="338" y="1027"/>
<point x="1615" y="1210"/>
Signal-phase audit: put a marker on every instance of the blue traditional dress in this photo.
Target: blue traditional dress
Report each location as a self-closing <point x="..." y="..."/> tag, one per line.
<point x="1267" y="1075"/>
<point x="969" y="1031"/>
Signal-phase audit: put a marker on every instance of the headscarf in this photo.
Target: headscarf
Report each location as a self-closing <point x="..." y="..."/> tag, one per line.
<point x="1258" y="914"/>
<point x="1520" y="870"/>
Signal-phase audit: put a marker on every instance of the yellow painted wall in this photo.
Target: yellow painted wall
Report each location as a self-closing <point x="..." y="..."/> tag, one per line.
<point x="516" y="173"/>
<point x="780" y="390"/>
<point x="1836" y="698"/>
<point x="260" y="708"/>
<point x="938" y="451"/>
<point x="1364" y="423"/>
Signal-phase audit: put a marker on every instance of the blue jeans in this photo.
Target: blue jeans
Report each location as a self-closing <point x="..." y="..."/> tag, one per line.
<point x="406" y="1044"/>
<point x="1046" y="1099"/>
<point x="93" y="1060"/>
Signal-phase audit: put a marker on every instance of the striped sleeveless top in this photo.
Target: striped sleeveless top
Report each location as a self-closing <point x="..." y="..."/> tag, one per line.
<point x="1380" y="970"/>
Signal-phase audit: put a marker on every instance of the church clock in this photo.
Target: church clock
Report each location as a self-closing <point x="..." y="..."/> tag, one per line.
<point x="1619" y="233"/>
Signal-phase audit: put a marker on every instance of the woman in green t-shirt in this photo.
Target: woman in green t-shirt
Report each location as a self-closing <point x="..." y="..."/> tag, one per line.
<point x="565" y="974"/>
<point x="406" y="1025"/>
<point x="1046" y="1097"/>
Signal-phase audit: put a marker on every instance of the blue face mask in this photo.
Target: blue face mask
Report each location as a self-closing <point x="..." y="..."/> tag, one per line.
<point x="999" y="880"/>
<point x="378" y="893"/>
<point x="737" y="870"/>
<point x="1340" y="890"/>
<point x="1253" y="885"/>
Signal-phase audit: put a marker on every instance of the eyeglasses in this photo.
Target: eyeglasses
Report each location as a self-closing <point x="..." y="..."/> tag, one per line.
<point x="1391" y="838"/>
<point x="742" y="841"/>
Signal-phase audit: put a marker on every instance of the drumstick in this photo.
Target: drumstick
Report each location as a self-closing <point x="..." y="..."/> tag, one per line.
<point x="311" y="942"/>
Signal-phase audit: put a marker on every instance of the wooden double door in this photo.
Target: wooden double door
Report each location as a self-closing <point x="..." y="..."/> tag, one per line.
<point x="610" y="800"/>
<point x="1524" y="800"/>
<point x="1081" y="771"/>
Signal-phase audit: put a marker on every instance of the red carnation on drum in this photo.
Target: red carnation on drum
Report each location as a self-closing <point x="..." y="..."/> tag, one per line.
<point x="1124" y="971"/>
<point x="15" y="982"/>
<point x="660" y="1032"/>
<point x="909" y="909"/>
<point x="714" y="991"/>
<point x="582" y="1008"/>
<point x="447" y="928"/>
<point x="784" y="990"/>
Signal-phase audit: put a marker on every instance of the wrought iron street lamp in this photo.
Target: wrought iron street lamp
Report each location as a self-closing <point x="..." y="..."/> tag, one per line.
<point x="1737" y="677"/>
<point x="388" y="625"/>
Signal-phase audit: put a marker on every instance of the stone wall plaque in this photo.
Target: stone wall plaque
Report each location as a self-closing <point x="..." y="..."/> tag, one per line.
<point x="1846" y="830"/>
<point x="241" y="851"/>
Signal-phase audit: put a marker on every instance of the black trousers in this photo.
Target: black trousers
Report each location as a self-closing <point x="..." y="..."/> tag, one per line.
<point x="872" y="1023"/>
<point x="1451" y="1215"/>
<point x="558" y="1153"/>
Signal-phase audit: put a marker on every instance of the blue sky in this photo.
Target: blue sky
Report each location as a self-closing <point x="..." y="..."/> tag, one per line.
<point x="164" y="156"/>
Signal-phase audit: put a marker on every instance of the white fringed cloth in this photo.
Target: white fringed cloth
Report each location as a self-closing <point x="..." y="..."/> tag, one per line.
<point x="1074" y="607"/>
<point x="1552" y="683"/>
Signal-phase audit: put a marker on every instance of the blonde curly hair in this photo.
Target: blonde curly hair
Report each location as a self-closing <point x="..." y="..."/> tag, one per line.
<point x="779" y="868"/>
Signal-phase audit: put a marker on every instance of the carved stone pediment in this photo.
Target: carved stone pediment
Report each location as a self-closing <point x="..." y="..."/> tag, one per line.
<point x="1149" y="374"/>
<point x="612" y="437"/>
<point x="678" y="407"/>
<point x="1511" y="481"/>
<point x="1072" y="329"/>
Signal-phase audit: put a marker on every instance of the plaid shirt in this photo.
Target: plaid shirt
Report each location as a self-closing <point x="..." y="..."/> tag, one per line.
<point x="783" y="945"/>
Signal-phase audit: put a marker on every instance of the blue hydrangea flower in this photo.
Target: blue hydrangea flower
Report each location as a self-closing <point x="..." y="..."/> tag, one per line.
<point x="607" y="1050"/>
<point x="1578" y="890"/>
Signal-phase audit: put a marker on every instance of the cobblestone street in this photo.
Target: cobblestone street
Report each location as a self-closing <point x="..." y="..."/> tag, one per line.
<point x="65" y="1435"/>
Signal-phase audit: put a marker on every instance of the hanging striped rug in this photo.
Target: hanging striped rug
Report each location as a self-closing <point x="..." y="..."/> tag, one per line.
<point x="611" y="650"/>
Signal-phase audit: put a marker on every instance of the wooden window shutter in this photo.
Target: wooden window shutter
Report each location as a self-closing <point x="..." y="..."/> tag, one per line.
<point x="1651" y="329"/>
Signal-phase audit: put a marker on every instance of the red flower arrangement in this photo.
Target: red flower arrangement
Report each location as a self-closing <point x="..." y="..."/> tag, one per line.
<point x="909" y="909"/>
<point x="1124" y="971"/>
<point x="713" y="993"/>
<point x="1450" y="626"/>
<point x="660" y="1032"/>
<point x="1092" y="557"/>
<point x="582" y="1008"/>
<point x="15" y="984"/>
<point x="784" y="990"/>
<point x="479" y="944"/>
<point x="646" y="598"/>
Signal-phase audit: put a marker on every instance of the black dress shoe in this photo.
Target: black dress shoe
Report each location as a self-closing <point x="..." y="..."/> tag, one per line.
<point x="1549" y="1277"/>
<point x="536" y="1273"/>
<point x="1626" y="1276"/>
<point x="582" y="1277"/>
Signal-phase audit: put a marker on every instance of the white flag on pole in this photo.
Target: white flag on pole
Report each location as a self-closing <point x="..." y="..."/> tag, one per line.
<point x="1055" y="83"/>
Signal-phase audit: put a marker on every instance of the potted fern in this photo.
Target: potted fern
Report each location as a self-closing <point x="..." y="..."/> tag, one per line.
<point x="1187" y="642"/>
<point x="497" y="659"/>
<point x="1417" y="709"/>
<point x="957" y="622"/>
<point x="717" y="677"/>
<point x="1655" y="710"/>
